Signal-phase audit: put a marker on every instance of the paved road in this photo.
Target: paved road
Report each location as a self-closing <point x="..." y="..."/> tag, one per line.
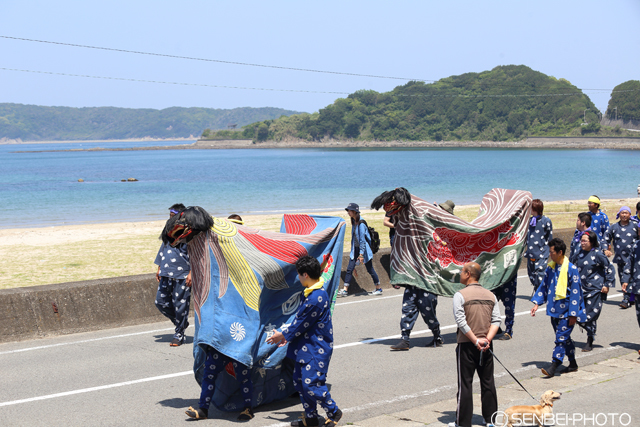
<point x="130" y="376"/>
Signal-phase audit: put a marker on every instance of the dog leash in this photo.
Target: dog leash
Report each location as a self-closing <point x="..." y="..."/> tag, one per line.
<point x="509" y="372"/>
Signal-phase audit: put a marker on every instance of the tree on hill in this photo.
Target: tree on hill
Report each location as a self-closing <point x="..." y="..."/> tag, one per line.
<point x="625" y="96"/>
<point x="506" y="103"/>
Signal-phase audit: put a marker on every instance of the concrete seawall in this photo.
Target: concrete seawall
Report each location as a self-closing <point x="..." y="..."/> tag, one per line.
<point x="66" y="308"/>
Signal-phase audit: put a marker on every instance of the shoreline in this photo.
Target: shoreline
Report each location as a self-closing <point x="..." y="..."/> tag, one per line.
<point x="62" y="234"/>
<point x="260" y="217"/>
<point x="555" y="143"/>
<point x="79" y="252"/>
<point x="5" y="141"/>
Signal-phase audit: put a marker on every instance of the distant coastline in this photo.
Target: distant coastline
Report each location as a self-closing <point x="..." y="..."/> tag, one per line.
<point x="580" y="143"/>
<point x="6" y="141"/>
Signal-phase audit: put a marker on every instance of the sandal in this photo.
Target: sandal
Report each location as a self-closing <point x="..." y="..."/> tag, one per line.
<point x="305" y="422"/>
<point x="246" y="415"/>
<point x="198" y="414"/>
<point x="332" y="420"/>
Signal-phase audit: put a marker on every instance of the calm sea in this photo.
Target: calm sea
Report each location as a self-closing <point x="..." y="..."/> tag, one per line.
<point x="42" y="189"/>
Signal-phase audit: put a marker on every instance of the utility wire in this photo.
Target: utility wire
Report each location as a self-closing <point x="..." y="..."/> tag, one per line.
<point x="251" y="64"/>
<point x="300" y="90"/>
<point x="170" y="83"/>
<point x="213" y="60"/>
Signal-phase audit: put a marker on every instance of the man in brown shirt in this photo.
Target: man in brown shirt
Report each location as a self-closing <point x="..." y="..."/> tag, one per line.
<point x="478" y="317"/>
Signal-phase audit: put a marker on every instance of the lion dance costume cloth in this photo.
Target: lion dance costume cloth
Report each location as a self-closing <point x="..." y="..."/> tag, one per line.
<point x="245" y="286"/>
<point x="431" y="245"/>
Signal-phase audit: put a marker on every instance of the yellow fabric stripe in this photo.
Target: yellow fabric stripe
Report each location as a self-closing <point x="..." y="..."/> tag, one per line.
<point x="561" y="286"/>
<point x="240" y="273"/>
<point x="310" y="289"/>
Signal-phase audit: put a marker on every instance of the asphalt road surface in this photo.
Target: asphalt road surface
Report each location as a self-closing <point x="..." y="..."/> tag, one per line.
<point x="130" y="376"/>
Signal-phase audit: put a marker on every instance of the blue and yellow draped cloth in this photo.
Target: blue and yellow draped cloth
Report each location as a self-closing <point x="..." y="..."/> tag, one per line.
<point x="245" y="286"/>
<point x="431" y="245"/>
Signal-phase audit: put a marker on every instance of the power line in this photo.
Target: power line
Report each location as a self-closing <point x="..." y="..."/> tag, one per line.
<point x="252" y="64"/>
<point x="301" y="90"/>
<point x="170" y="83"/>
<point x="213" y="60"/>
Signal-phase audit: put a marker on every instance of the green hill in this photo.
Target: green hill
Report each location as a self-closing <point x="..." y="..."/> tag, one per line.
<point x="626" y="97"/>
<point x="38" y="123"/>
<point x="506" y="103"/>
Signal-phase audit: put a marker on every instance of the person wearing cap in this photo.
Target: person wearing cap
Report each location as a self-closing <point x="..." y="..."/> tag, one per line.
<point x="599" y="219"/>
<point x="619" y="239"/>
<point x="360" y="250"/>
<point x="174" y="283"/>
<point x="448" y="206"/>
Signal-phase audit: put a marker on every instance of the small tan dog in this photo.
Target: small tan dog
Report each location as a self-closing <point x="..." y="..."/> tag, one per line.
<point x="532" y="414"/>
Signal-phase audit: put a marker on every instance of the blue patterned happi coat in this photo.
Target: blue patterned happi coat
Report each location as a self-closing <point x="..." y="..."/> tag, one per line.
<point x="560" y="310"/>
<point x="596" y="272"/>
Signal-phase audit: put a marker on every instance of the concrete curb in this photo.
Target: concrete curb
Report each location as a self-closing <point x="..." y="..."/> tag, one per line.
<point x="65" y="308"/>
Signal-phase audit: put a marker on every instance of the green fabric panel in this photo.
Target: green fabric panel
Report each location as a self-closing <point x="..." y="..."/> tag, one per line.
<point x="431" y="245"/>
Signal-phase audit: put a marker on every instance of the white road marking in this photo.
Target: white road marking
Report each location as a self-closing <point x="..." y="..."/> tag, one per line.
<point x="357" y="408"/>
<point x="377" y="298"/>
<point x="41" y="347"/>
<point x="90" y="389"/>
<point x="353" y="409"/>
<point x="180" y="374"/>
<point x="369" y="300"/>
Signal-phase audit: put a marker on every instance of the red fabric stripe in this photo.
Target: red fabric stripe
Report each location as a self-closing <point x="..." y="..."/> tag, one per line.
<point x="299" y="224"/>
<point x="286" y="251"/>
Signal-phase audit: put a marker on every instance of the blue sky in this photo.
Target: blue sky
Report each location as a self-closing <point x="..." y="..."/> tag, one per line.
<point x="593" y="44"/>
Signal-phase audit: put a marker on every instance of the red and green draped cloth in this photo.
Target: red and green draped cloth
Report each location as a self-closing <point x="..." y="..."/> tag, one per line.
<point x="431" y="245"/>
<point x="245" y="286"/>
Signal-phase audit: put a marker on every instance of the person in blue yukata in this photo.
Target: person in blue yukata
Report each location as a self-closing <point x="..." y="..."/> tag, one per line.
<point x="174" y="283"/>
<point x="596" y="277"/>
<point x="419" y="301"/>
<point x="562" y="292"/>
<point x="360" y="250"/>
<point x="599" y="219"/>
<point x="583" y="224"/>
<point x="537" y="248"/>
<point x="620" y="238"/>
<point x="216" y="363"/>
<point x="507" y="294"/>
<point x="310" y="338"/>
<point x="635" y="218"/>
<point x="631" y="275"/>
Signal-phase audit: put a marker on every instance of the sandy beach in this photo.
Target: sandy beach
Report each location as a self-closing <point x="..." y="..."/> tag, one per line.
<point x="38" y="256"/>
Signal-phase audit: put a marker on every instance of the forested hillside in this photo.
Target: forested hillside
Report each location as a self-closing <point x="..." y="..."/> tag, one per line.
<point x="506" y="103"/>
<point x="37" y="123"/>
<point x="625" y="101"/>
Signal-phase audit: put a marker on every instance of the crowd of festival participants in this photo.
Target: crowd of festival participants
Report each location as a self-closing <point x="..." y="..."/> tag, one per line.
<point x="572" y="280"/>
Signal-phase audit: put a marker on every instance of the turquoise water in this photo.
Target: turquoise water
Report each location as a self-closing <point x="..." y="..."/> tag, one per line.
<point x="41" y="189"/>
